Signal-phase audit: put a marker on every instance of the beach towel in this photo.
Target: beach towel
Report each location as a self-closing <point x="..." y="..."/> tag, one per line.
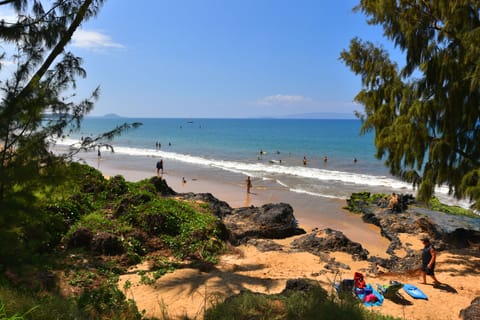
<point x="369" y="296"/>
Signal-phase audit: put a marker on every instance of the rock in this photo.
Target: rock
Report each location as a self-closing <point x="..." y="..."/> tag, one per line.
<point x="462" y="238"/>
<point x="80" y="238"/>
<point x="426" y="225"/>
<point x="265" y="245"/>
<point x="219" y="208"/>
<point x="329" y="240"/>
<point x="472" y="312"/>
<point x="271" y="221"/>
<point x="162" y="187"/>
<point x="300" y="284"/>
<point x="107" y="244"/>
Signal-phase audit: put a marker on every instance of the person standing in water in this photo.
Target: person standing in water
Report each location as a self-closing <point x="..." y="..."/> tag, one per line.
<point x="249" y="184"/>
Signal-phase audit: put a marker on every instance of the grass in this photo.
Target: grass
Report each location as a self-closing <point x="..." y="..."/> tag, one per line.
<point x="314" y="304"/>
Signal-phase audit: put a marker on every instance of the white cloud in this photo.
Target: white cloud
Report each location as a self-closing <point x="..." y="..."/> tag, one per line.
<point x="93" y="40"/>
<point x="283" y="99"/>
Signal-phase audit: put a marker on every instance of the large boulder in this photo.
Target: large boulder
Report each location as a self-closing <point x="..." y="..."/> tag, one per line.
<point x="107" y="244"/>
<point x="219" y="208"/>
<point x="462" y="238"/>
<point x="162" y="187"/>
<point x="80" y="238"/>
<point x="328" y="240"/>
<point x="270" y="221"/>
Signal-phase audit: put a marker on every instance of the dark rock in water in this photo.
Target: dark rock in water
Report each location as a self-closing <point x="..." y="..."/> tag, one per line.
<point x="80" y="238"/>
<point x="107" y="244"/>
<point x="472" y="312"/>
<point x="271" y="221"/>
<point x="162" y="187"/>
<point x="329" y="240"/>
<point x="219" y="208"/>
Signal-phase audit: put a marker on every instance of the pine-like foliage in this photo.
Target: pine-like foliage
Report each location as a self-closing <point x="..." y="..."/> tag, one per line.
<point x="425" y="114"/>
<point x="37" y="106"/>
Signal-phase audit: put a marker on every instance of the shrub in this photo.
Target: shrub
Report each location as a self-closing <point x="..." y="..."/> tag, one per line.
<point x="107" y="302"/>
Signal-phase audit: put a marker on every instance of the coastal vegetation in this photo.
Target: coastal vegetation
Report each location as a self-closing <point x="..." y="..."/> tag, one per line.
<point x="97" y="228"/>
<point x="314" y="303"/>
<point x="86" y="231"/>
<point x="424" y="112"/>
<point x="360" y="201"/>
<point x="68" y="233"/>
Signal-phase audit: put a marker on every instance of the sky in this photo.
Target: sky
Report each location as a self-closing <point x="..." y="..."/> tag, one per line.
<point x="222" y="58"/>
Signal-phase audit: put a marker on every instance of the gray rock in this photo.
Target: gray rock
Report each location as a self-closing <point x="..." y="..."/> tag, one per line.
<point x="270" y="221"/>
<point x="472" y="312"/>
<point x="219" y="208"/>
<point x="329" y="240"/>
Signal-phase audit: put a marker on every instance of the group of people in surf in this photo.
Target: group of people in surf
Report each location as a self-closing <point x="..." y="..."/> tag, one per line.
<point x="304" y="161"/>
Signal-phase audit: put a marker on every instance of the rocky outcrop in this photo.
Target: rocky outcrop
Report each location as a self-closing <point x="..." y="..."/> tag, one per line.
<point x="107" y="244"/>
<point x="100" y="243"/>
<point x="270" y="221"/>
<point x="328" y="240"/>
<point x="80" y="238"/>
<point x="473" y="311"/>
<point x="302" y="285"/>
<point x="162" y="187"/>
<point x="217" y="207"/>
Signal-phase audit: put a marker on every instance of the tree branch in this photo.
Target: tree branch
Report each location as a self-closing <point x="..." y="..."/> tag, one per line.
<point x="58" y="48"/>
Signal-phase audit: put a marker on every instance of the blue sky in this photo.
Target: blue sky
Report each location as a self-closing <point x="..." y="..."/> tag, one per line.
<point x="221" y="58"/>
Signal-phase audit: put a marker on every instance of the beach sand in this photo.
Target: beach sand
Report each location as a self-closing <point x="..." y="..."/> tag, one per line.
<point x="189" y="291"/>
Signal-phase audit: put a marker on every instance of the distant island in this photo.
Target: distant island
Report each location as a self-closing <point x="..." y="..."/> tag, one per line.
<point x="112" y="115"/>
<point x="319" y="115"/>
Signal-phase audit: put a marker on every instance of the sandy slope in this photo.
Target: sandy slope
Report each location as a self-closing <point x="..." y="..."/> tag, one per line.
<point x="188" y="291"/>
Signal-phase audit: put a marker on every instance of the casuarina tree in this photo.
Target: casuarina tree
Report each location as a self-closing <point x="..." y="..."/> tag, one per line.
<point x="424" y="111"/>
<point x="38" y="104"/>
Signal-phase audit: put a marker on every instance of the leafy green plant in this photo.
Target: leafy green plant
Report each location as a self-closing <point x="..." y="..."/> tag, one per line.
<point x="83" y="278"/>
<point x="107" y="301"/>
<point x="98" y="222"/>
<point x="436" y="205"/>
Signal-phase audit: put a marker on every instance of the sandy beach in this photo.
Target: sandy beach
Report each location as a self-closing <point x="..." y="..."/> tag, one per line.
<point x="310" y="211"/>
<point x="189" y="291"/>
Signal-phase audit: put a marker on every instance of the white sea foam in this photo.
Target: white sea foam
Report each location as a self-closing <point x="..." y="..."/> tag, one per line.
<point x="263" y="170"/>
<point x="316" y="194"/>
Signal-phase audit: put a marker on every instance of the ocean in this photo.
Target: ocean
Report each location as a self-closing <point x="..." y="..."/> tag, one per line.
<point x="265" y="149"/>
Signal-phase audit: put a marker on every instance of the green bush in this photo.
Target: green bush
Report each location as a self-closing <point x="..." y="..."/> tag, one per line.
<point x="298" y="305"/>
<point x="98" y="222"/>
<point x="436" y="205"/>
<point x="108" y="302"/>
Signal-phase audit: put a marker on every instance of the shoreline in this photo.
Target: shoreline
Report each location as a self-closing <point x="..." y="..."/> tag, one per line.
<point x="185" y="291"/>
<point x="310" y="211"/>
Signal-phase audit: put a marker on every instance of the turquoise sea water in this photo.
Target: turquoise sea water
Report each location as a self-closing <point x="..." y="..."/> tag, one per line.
<point x="234" y="145"/>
